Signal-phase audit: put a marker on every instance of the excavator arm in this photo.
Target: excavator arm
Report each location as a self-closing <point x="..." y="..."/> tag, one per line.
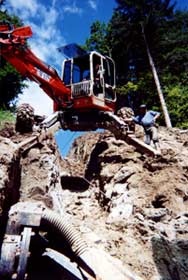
<point x="15" y="50"/>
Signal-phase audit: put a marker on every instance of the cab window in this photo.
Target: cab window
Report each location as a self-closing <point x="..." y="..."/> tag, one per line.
<point x="81" y="70"/>
<point x="109" y="72"/>
<point x="67" y="73"/>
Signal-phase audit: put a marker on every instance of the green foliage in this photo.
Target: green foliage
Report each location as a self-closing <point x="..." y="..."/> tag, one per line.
<point x="177" y="96"/>
<point x="98" y="40"/>
<point x="6" y="116"/>
<point x="126" y="32"/>
<point x="174" y="59"/>
<point x="125" y="89"/>
<point x="174" y="44"/>
<point x="11" y="82"/>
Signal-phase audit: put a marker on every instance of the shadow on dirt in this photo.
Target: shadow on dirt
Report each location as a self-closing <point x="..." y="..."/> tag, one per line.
<point x="170" y="258"/>
<point x="74" y="183"/>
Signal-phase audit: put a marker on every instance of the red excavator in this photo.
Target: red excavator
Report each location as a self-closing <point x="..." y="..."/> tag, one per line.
<point x="84" y="98"/>
<point x="83" y="88"/>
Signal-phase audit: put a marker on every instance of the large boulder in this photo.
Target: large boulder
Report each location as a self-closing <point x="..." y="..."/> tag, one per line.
<point x="24" y="118"/>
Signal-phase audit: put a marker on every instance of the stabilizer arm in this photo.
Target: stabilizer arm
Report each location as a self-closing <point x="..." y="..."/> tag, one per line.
<point x="106" y="120"/>
<point x="121" y="131"/>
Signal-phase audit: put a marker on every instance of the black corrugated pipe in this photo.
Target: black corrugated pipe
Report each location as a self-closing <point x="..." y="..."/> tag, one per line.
<point x="67" y="231"/>
<point x="53" y="220"/>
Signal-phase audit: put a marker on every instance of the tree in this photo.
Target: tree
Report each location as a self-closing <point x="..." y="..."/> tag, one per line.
<point x="143" y="19"/>
<point x="167" y="40"/>
<point x="174" y="46"/>
<point x="174" y="59"/>
<point x="98" y="38"/>
<point x="11" y="82"/>
<point x="157" y="82"/>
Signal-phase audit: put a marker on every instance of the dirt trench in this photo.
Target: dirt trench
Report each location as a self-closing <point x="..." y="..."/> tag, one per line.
<point x="132" y="206"/>
<point x="34" y="174"/>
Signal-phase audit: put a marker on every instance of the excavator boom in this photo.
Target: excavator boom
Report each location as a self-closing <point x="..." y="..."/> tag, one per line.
<point x="15" y="50"/>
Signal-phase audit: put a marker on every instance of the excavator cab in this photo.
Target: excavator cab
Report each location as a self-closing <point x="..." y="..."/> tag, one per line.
<point x="91" y="79"/>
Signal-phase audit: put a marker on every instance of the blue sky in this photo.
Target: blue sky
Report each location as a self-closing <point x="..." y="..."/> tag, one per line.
<point x="56" y="23"/>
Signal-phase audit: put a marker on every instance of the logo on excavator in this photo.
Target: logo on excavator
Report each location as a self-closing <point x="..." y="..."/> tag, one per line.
<point x="43" y="75"/>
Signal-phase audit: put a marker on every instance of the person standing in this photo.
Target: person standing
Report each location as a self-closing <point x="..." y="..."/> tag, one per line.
<point x="147" y="119"/>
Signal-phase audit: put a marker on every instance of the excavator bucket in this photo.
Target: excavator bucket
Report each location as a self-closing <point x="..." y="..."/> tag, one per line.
<point x="7" y="28"/>
<point x="23" y="32"/>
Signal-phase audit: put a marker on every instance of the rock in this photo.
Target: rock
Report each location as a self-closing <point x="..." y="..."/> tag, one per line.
<point x="108" y="172"/>
<point x="119" y="188"/>
<point x="134" y="181"/>
<point x="123" y="174"/>
<point x="139" y="216"/>
<point x="9" y="175"/>
<point x="181" y="224"/>
<point x="108" y="190"/>
<point x="119" y="213"/>
<point x="122" y="199"/>
<point x="24" y="118"/>
<point x="155" y="214"/>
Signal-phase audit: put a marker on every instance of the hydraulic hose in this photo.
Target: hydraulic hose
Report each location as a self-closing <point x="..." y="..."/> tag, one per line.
<point x="52" y="220"/>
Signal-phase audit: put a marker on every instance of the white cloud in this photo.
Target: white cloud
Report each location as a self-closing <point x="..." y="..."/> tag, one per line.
<point x="92" y="4"/>
<point x="44" y="42"/>
<point x="29" y="5"/>
<point x="43" y="21"/>
<point x="53" y="3"/>
<point x="24" y="8"/>
<point x="36" y="97"/>
<point x="72" y="9"/>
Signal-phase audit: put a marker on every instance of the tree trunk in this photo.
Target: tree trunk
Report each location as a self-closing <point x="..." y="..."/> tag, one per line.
<point x="157" y="82"/>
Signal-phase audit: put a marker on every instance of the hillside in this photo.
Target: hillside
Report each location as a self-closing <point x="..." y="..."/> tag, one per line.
<point x="141" y="214"/>
<point x="130" y="205"/>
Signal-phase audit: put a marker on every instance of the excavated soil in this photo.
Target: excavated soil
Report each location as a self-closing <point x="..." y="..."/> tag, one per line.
<point x="133" y="206"/>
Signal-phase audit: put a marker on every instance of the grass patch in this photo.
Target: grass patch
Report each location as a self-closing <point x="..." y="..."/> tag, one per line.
<point x="6" y="116"/>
